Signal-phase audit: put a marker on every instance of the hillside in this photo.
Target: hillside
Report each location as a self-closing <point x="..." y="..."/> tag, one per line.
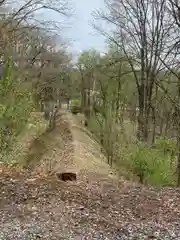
<point x="34" y="204"/>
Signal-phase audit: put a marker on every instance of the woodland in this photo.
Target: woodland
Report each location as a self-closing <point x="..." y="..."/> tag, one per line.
<point x="129" y="95"/>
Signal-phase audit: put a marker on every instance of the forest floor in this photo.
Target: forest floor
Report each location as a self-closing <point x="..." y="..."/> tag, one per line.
<point x="34" y="204"/>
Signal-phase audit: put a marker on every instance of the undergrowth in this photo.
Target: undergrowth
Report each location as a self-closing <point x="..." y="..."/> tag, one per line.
<point x="16" y="121"/>
<point x="154" y="165"/>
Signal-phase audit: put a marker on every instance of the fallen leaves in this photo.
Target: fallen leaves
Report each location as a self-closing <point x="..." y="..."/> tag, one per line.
<point x="34" y="205"/>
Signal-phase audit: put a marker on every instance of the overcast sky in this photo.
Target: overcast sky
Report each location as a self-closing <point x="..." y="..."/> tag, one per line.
<point x="80" y="31"/>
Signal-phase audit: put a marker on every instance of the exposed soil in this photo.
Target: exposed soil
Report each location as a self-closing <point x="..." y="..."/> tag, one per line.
<point x="36" y="205"/>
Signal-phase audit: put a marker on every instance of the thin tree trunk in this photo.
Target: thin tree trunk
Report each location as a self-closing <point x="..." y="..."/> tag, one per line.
<point x="154" y="125"/>
<point x="118" y="99"/>
<point x="161" y="125"/>
<point x="177" y="109"/>
<point x="178" y="158"/>
<point x="167" y="124"/>
<point x="140" y="133"/>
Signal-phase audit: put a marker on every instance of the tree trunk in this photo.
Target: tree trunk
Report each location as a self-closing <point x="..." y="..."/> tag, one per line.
<point x="154" y="125"/>
<point x="177" y="110"/>
<point x="178" y="158"/>
<point x="161" y="126"/>
<point x="167" y="124"/>
<point x="118" y="101"/>
<point x="146" y="127"/>
<point x="89" y="103"/>
<point x="140" y="133"/>
<point x="143" y="116"/>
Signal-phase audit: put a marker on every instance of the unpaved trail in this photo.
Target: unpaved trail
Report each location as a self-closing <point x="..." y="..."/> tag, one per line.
<point x="87" y="154"/>
<point x="98" y="206"/>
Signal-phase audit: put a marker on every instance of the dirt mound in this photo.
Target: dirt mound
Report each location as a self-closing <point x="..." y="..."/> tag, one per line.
<point x="96" y="206"/>
<point x="52" y="151"/>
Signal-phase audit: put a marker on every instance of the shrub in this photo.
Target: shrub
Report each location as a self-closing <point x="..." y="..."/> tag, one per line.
<point x="151" y="165"/>
<point x="75" y="106"/>
<point x="166" y="145"/>
<point x="75" y="102"/>
<point x="141" y="163"/>
<point x="16" y="106"/>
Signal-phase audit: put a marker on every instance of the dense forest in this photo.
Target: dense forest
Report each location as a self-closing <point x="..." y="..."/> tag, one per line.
<point x="129" y="95"/>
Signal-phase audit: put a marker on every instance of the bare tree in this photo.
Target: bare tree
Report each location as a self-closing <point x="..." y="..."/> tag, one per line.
<point x="143" y="32"/>
<point x="173" y="8"/>
<point x="37" y="50"/>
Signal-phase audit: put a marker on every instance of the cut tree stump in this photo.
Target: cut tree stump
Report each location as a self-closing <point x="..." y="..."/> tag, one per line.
<point x="67" y="176"/>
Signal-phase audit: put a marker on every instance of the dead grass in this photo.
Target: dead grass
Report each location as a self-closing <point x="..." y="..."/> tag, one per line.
<point x="35" y="127"/>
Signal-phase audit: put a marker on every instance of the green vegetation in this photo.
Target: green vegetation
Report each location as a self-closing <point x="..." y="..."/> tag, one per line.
<point x="151" y="165"/>
<point x="32" y="71"/>
<point x="129" y="96"/>
<point x="152" y="161"/>
<point x="154" y="165"/>
<point x="16" y="106"/>
<point x="15" y="115"/>
<point x="75" y="106"/>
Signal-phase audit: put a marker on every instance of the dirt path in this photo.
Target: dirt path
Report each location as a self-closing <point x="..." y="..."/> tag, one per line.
<point x="97" y="206"/>
<point x="87" y="154"/>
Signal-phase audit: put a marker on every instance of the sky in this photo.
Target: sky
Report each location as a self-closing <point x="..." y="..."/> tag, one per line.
<point x="79" y="29"/>
<point x="82" y="32"/>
